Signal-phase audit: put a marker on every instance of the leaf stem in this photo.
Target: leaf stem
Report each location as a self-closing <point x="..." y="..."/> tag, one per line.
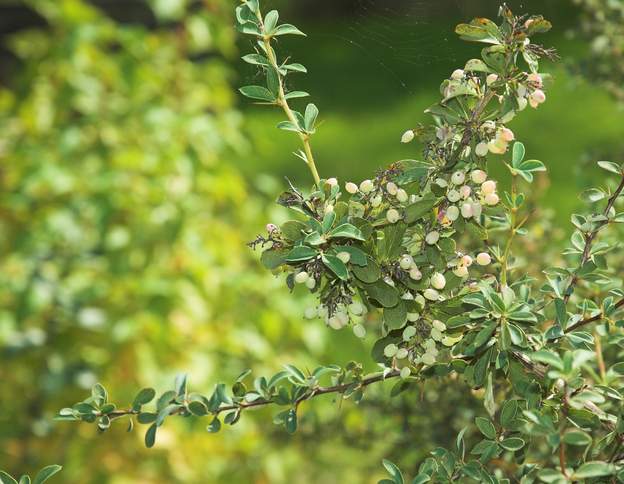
<point x="283" y="103"/>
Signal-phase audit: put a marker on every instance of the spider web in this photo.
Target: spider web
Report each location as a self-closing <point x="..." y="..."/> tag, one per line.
<point x="405" y="37"/>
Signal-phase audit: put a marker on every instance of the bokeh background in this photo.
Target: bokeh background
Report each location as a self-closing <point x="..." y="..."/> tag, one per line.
<point x="132" y="175"/>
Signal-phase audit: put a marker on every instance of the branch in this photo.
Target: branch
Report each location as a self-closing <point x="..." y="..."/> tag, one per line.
<point x="342" y="388"/>
<point x="283" y="103"/>
<point x="589" y="239"/>
<point x="593" y="319"/>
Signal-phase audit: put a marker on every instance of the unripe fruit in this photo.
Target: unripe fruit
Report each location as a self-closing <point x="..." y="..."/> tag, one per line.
<point x="465" y="191"/>
<point x="391" y="188"/>
<point x="484" y="259"/>
<point x="310" y="313"/>
<point x="458" y="177"/>
<point x="467" y="260"/>
<point x="334" y="323"/>
<point x="332" y="182"/>
<point x="522" y="103"/>
<point x="488" y="187"/>
<point x="535" y="79"/>
<point x="428" y="359"/>
<point x="476" y="210"/>
<point x="311" y="283"/>
<point x="393" y="216"/>
<point x="482" y="149"/>
<point x="359" y="331"/>
<point x="408" y="333"/>
<point x="478" y="176"/>
<point x="415" y="274"/>
<point x="536" y="98"/>
<point x="506" y="135"/>
<point x="497" y="146"/>
<point x="405" y="372"/>
<point x="356" y="308"/>
<point x="452" y="213"/>
<point x="438" y="281"/>
<point x="390" y="350"/>
<point x="432" y="238"/>
<point x="406" y="262"/>
<point x="344" y="257"/>
<point x="402" y="353"/>
<point x="466" y="210"/>
<point x="431" y="294"/>
<point x="461" y="271"/>
<point x="491" y="199"/>
<point x="488" y="125"/>
<point x="376" y="201"/>
<point x="408" y="136"/>
<point x="301" y="277"/>
<point x="453" y="196"/>
<point x="367" y="186"/>
<point x="402" y="195"/>
<point x="413" y="317"/>
<point x="491" y="79"/>
<point x="351" y="188"/>
<point x="436" y="335"/>
<point x="457" y="74"/>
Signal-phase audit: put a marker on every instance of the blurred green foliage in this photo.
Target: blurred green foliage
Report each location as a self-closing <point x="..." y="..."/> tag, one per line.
<point x="127" y="194"/>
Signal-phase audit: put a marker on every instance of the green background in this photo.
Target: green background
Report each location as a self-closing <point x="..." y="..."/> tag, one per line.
<point x="132" y="176"/>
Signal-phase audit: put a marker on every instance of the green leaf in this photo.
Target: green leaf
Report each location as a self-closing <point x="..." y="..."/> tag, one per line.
<point x="552" y="476"/>
<point x="45" y="473"/>
<point x="518" y="154"/>
<point x="295" y="68"/>
<point x="593" y="195"/>
<point x="544" y="356"/>
<point x="336" y="266"/>
<point x="288" y="126"/>
<point x="296" y="95"/>
<point x="474" y="33"/>
<point x="394" y="471"/>
<point x="383" y="293"/>
<point x="291" y="421"/>
<point x="6" y="478"/>
<point x="214" y="426"/>
<point x="198" y="408"/>
<point x="486" y="427"/>
<point x="270" y="21"/>
<point x="577" y="437"/>
<point x="477" y="65"/>
<point x="311" y="113"/>
<point x="259" y="93"/>
<point x="512" y="443"/>
<point x="99" y="395"/>
<point x="144" y="396"/>
<point x="256" y="59"/>
<point x="594" y="469"/>
<point x="288" y="29"/>
<point x="273" y="81"/>
<point x="24" y="479"/>
<point x="395" y="317"/>
<point x="273" y="258"/>
<point x="369" y="273"/>
<point x="150" y="436"/>
<point x="301" y="253"/>
<point x="358" y="256"/>
<point x="610" y="166"/>
<point x="347" y="231"/>
<point x="420" y="208"/>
